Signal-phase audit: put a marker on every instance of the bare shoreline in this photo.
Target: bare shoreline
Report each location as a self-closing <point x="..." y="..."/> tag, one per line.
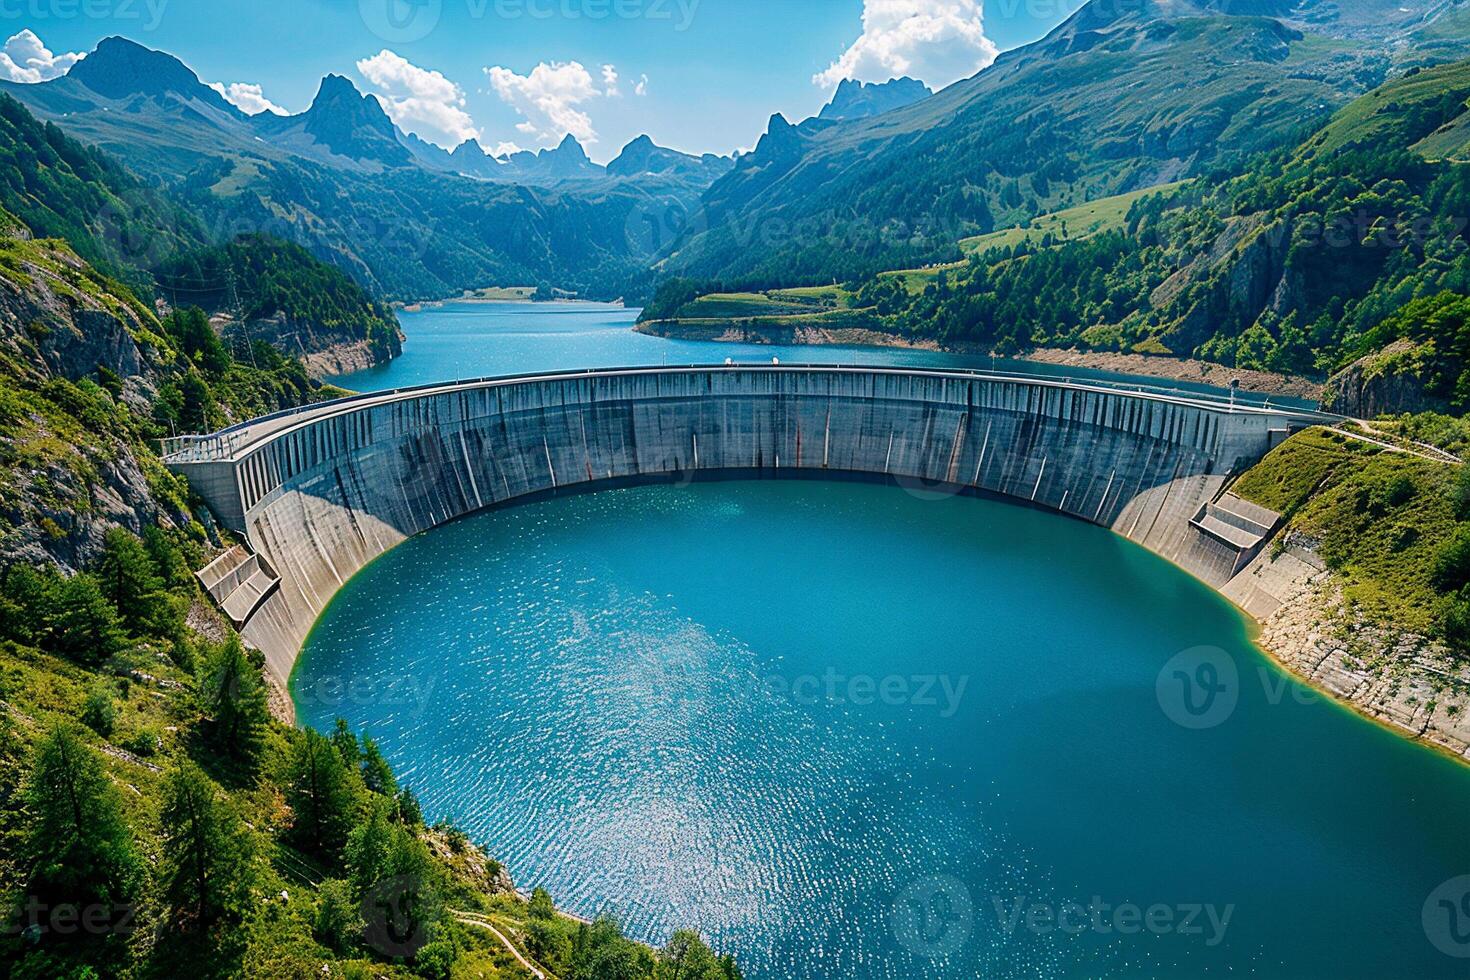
<point x="1167" y="368"/>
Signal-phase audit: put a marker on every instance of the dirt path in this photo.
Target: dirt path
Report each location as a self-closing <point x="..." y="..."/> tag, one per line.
<point x="483" y="922"/>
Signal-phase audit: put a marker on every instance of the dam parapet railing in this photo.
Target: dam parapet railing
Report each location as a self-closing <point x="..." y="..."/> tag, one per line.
<point x="319" y="492"/>
<point x="229" y="442"/>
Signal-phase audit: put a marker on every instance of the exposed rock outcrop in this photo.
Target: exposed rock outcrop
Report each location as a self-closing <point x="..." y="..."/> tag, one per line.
<point x="67" y="471"/>
<point x="1409" y="682"/>
<point x="325" y="352"/>
<point x="1387" y="382"/>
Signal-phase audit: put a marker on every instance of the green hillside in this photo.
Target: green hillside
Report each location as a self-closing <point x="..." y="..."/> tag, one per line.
<point x="1303" y="260"/>
<point x="1117" y="99"/>
<point x="1070" y="224"/>
<point x="1394" y="526"/>
<point x="1295" y="265"/>
<point x="258" y="278"/>
<point x="62" y="189"/>
<point x="1426" y="111"/>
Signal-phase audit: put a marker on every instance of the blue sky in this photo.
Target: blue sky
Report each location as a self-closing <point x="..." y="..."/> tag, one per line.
<point x="695" y="74"/>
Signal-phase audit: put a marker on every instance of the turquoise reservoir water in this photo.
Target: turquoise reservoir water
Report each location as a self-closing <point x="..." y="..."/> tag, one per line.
<point x="481" y="340"/>
<point x="850" y="732"/>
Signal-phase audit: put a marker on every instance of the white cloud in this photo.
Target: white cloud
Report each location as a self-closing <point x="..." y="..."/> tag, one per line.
<point x="936" y="41"/>
<point x="419" y="100"/>
<point x="549" y="100"/>
<point x="248" y="98"/>
<point x="610" y="82"/>
<point x="25" y="59"/>
<point x="642" y="87"/>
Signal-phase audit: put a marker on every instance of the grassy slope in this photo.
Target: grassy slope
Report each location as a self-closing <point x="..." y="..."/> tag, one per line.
<point x="1377" y="118"/>
<point x="824" y="307"/>
<point x="158" y="726"/>
<point x="1069" y="224"/>
<point x="1340" y="492"/>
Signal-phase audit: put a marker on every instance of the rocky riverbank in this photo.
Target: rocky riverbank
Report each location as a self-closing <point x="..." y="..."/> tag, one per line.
<point x="1181" y="369"/>
<point x="1400" y="679"/>
<point x="772" y="330"/>
<point x="338" y="359"/>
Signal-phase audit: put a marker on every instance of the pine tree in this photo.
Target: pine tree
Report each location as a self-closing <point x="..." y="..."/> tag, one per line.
<point x="236" y="699"/>
<point x="168" y="559"/>
<point x="128" y="579"/>
<point x="376" y="772"/>
<point x="209" y="853"/>
<point x="28" y="602"/>
<point x="80" y="847"/>
<point x="86" y="627"/>
<point x="325" y="795"/>
<point x="686" y="957"/>
<point x="391" y="868"/>
<point x="409" y="812"/>
<point x="346" y="744"/>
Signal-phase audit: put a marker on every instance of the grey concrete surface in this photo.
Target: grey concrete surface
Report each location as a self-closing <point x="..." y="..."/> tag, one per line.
<point x="320" y="493"/>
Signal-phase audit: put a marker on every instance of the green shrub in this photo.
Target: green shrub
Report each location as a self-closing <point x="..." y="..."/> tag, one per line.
<point x="1456" y="620"/>
<point x="1451" y="571"/>
<point x="100" y="711"/>
<point x="145" y="742"/>
<point x="338" y="924"/>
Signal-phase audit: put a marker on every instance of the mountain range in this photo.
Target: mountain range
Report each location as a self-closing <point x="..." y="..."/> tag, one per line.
<point x="407" y="218"/>
<point x="860" y="100"/>
<point x="1119" y="97"/>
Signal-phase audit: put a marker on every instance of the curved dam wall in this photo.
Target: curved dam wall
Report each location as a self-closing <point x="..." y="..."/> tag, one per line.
<point x="321" y="493"/>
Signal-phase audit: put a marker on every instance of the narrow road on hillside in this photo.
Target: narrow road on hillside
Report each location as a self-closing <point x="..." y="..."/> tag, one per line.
<point x="483" y="922"/>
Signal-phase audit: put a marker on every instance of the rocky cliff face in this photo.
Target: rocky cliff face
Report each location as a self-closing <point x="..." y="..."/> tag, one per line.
<point x="1244" y="268"/>
<point x="1386" y="382"/>
<point x="78" y="366"/>
<point x="324" y="351"/>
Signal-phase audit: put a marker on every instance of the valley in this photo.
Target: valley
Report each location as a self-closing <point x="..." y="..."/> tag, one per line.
<point x="961" y="460"/>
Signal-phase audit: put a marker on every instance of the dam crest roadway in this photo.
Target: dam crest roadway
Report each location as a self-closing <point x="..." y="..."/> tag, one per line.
<point x="319" y="492"/>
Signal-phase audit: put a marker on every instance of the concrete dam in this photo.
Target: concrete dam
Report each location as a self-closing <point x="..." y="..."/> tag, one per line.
<point x="320" y="492"/>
